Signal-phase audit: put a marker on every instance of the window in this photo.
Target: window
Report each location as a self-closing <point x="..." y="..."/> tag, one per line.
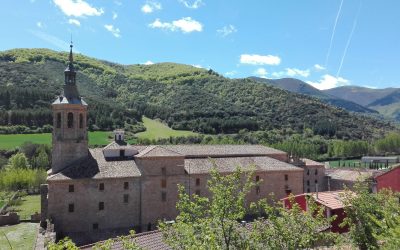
<point x="163" y="196"/>
<point x="163" y="171"/>
<point x="257" y="178"/>
<point x="70" y="120"/>
<point x="288" y="191"/>
<point x="101" y="186"/>
<point x="121" y="153"/>
<point x="198" y="192"/>
<point x="101" y="205"/>
<point x="126" y="198"/>
<point x="80" y="120"/>
<point x="308" y="171"/>
<point x="163" y="183"/>
<point x="71" y="207"/>
<point x="197" y="181"/>
<point x="308" y="190"/>
<point x="316" y="181"/>
<point x="308" y="183"/>
<point x="58" y="124"/>
<point x="71" y="188"/>
<point x="95" y="226"/>
<point x="126" y="185"/>
<point x="316" y="171"/>
<point x="286" y="177"/>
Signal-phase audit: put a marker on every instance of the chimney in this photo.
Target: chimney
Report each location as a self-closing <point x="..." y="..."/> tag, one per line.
<point x="119" y="135"/>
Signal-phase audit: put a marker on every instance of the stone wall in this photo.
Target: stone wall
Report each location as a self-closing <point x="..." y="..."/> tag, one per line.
<point x="86" y="198"/>
<point x="9" y="219"/>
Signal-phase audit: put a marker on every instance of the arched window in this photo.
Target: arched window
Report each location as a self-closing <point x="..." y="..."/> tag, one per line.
<point x="58" y="122"/>
<point x="80" y="120"/>
<point x="70" y="120"/>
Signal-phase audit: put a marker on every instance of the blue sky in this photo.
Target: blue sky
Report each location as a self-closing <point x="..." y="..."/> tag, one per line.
<point x="326" y="43"/>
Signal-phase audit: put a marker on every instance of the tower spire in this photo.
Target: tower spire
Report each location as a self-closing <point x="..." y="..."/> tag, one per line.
<point x="71" y="59"/>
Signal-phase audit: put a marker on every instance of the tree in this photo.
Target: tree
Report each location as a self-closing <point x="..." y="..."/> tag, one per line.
<point x="42" y="159"/>
<point x="18" y="161"/>
<point x="373" y="219"/>
<point x="64" y="244"/>
<point x="213" y="223"/>
<point x="127" y="241"/>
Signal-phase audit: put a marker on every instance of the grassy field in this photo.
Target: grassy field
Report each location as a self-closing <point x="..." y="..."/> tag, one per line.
<point x="158" y="130"/>
<point x="30" y="204"/>
<point x="21" y="236"/>
<point x="15" y="140"/>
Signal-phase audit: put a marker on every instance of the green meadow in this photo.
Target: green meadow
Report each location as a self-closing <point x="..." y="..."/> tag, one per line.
<point x="158" y="130"/>
<point x="154" y="130"/>
<point x="15" y="140"/>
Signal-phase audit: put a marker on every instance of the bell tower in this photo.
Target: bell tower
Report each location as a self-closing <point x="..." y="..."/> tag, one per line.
<point x="70" y="137"/>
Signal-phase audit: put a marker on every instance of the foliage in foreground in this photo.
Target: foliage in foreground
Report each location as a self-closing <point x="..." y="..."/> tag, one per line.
<point x="214" y="223"/>
<point x="127" y="242"/>
<point x="373" y="219"/>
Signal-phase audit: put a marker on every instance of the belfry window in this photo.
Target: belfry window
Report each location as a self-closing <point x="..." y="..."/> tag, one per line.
<point x="70" y="120"/>
<point x="58" y="122"/>
<point x="80" y="120"/>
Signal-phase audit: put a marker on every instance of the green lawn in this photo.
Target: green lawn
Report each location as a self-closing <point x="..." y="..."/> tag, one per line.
<point x="30" y="204"/>
<point x="15" y="140"/>
<point x="158" y="130"/>
<point x="21" y="236"/>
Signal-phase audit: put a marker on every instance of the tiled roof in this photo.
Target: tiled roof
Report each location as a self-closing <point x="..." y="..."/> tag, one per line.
<point x="148" y="240"/>
<point x="351" y="174"/>
<point x="193" y="151"/>
<point x="157" y="151"/>
<point x="229" y="164"/>
<point x="309" y="162"/>
<point x="333" y="200"/>
<point x="96" y="167"/>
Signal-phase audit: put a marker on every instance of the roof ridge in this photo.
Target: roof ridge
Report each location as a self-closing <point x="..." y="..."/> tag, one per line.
<point x="146" y="150"/>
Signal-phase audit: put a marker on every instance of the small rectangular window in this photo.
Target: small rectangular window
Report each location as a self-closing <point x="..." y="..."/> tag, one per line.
<point x="101" y="205"/>
<point x="163" y="171"/>
<point x="126" y="185"/>
<point x="126" y="198"/>
<point x="71" y="188"/>
<point x="308" y="171"/>
<point x="95" y="226"/>
<point x="308" y="182"/>
<point x="198" y="192"/>
<point x="197" y="181"/>
<point x="101" y="186"/>
<point x="163" y="183"/>
<point x="316" y="181"/>
<point x="71" y="207"/>
<point x="288" y="191"/>
<point x="163" y="196"/>
<point x="286" y="177"/>
<point x="122" y="153"/>
<point x="316" y="171"/>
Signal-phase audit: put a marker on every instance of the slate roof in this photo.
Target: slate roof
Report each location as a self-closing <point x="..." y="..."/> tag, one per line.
<point x="194" y="151"/>
<point x="351" y="174"/>
<point x="261" y="163"/>
<point x="148" y="240"/>
<point x="96" y="167"/>
<point x="157" y="151"/>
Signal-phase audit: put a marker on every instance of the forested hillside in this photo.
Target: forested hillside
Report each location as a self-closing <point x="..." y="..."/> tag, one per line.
<point x="183" y="96"/>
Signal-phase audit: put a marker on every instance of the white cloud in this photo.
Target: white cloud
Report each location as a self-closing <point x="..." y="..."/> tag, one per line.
<point x="185" y="24"/>
<point x="319" y="67"/>
<point x="114" y="16"/>
<point x="292" y="72"/>
<point x="261" y="72"/>
<point x="328" y="82"/>
<point x="231" y="73"/>
<point x="151" y="6"/>
<point x="113" y="30"/>
<point x="192" y="4"/>
<point x="77" y="8"/>
<point x="227" y="30"/>
<point x="39" y="24"/>
<point x="148" y="63"/>
<point x="259" y="59"/>
<point x="74" y="22"/>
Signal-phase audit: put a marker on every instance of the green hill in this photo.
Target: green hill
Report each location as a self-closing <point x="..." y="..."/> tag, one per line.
<point x="184" y="97"/>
